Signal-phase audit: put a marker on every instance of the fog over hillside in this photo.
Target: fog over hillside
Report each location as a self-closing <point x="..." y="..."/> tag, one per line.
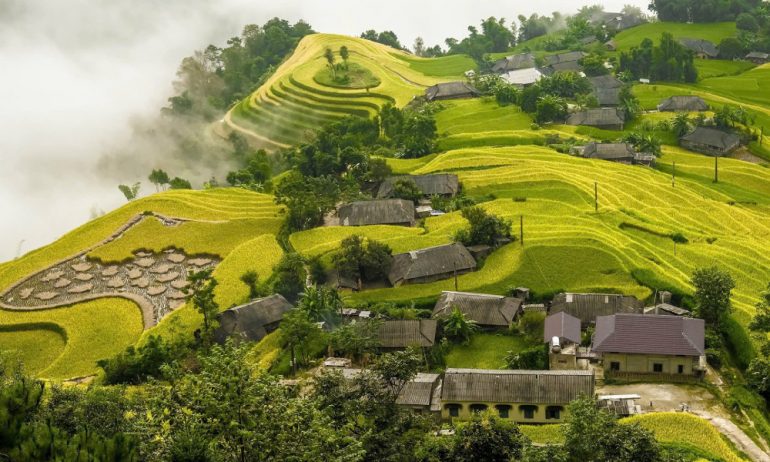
<point x="77" y="75"/>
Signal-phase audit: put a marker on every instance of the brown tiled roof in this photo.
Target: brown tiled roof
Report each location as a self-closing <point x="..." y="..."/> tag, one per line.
<point x="683" y="103"/>
<point x="436" y="184"/>
<point x="248" y="321"/>
<point x="587" y="307"/>
<point x="486" y="310"/>
<point x="403" y="333"/>
<point x="430" y="262"/>
<point x="377" y="212"/>
<point x="562" y="325"/>
<point x="516" y="386"/>
<point x="649" y="334"/>
<point x="451" y="90"/>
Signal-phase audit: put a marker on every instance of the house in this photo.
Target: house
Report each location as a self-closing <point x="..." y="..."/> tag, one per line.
<point x="649" y="344"/>
<point x="565" y="62"/>
<point x="252" y="321"/>
<point x="710" y="141"/>
<point x="611" y="45"/>
<point x="615" y="22"/>
<point x="562" y="332"/>
<point x="623" y="153"/>
<point x="377" y="212"/>
<point x="403" y="333"/>
<point x="757" y="57"/>
<point x="522" y="77"/>
<point x="519" y="395"/>
<point x="606" y="89"/>
<point x="607" y="118"/>
<point x="666" y="309"/>
<point x="421" y="394"/>
<point x="430" y="264"/>
<point x="514" y="63"/>
<point x="486" y="310"/>
<point x="451" y="90"/>
<point x="438" y="184"/>
<point x="683" y="104"/>
<point x="703" y="49"/>
<point x="587" y="307"/>
<point x="589" y="40"/>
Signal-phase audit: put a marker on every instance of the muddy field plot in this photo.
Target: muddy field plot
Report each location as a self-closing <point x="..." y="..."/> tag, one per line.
<point x="160" y="279"/>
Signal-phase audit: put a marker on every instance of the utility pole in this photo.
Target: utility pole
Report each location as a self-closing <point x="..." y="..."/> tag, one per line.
<point x="673" y="176"/>
<point x="521" y="230"/>
<point x="716" y="169"/>
<point x="596" y="196"/>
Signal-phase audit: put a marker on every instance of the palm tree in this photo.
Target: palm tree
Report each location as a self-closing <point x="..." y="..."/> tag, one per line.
<point x="458" y="327"/>
<point x="681" y="124"/>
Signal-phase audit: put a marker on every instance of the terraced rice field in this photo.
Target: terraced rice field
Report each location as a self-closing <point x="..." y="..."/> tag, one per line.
<point x="713" y="32"/>
<point x="291" y="104"/>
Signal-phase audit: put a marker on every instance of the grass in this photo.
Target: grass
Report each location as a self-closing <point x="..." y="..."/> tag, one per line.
<point x="485" y="351"/>
<point x="444" y="66"/>
<point x="687" y="429"/>
<point x="354" y="76"/>
<point x="35" y="345"/>
<point x="713" y="32"/>
<point x="709" y="68"/>
<point x="543" y="434"/>
<point x="480" y="115"/>
<point x="93" y="330"/>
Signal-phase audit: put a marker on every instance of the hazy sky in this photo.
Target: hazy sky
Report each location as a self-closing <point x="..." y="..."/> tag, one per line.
<point x="74" y="74"/>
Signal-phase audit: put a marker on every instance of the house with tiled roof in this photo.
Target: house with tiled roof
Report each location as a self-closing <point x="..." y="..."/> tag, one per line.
<point x="486" y="310"/>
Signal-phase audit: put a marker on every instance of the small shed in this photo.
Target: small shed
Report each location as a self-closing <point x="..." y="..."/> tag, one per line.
<point x="758" y="57"/>
<point x="486" y="310"/>
<point x="607" y="118"/>
<point x="252" y="321"/>
<point x="430" y="264"/>
<point x="683" y="104"/>
<point x="611" y="45"/>
<point x="451" y="90"/>
<point x="377" y="212"/>
<point x="667" y="309"/>
<point x="710" y="141"/>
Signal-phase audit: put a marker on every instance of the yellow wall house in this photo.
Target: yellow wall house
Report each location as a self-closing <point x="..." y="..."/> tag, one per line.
<point x="518" y="395"/>
<point x="650" y="345"/>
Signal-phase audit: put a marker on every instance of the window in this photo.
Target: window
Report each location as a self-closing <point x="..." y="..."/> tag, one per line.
<point x="553" y="412"/>
<point x="528" y="411"/>
<point x="657" y="367"/>
<point x="614" y="366"/>
<point x="478" y="408"/>
<point x="680" y="369"/>
<point x="503" y="410"/>
<point x="454" y="409"/>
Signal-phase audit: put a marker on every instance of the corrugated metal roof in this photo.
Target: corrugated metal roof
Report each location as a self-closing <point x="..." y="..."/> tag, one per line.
<point x="430" y="261"/>
<point x="609" y="151"/>
<point x="403" y="333"/>
<point x="377" y="212"/>
<point x="485" y="309"/>
<point x="516" y="386"/>
<point x="562" y="325"/>
<point x="419" y="390"/>
<point x="649" y="334"/>
<point x="597" y="117"/>
<point x="522" y="76"/>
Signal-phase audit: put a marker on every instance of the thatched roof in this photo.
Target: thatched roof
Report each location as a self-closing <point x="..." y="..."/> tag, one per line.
<point x="403" y="333"/>
<point x="431" y="261"/>
<point x="437" y="184"/>
<point x="587" y="307"/>
<point x="683" y="103"/>
<point x="605" y="116"/>
<point x="514" y="62"/>
<point x="247" y="322"/>
<point x="563" y="326"/>
<point x="486" y="310"/>
<point x="606" y="89"/>
<point x="449" y="90"/>
<point x="700" y="46"/>
<point x="516" y="386"/>
<point x="649" y="334"/>
<point x="377" y="212"/>
<point x="713" y="138"/>
<point x="609" y="151"/>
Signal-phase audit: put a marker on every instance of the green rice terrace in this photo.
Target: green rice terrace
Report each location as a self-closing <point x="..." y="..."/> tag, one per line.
<point x="587" y="225"/>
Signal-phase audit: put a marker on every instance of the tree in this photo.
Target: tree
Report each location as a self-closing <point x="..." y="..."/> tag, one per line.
<point x="329" y="55"/>
<point x="731" y="48"/>
<point x="297" y="329"/>
<point x="747" y="22"/>
<point x="761" y="320"/>
<point x="308" y="199"/>
<point x="356" y="339"/>
<point x="201" y="294"/>
<point x="376" y="261"/>
<point x="550" y="108"/>
<point x="488" y="439"/>
<point x="159" y="178"/>
<point x="397" y="369"/>
<point x="251" y="278"/>
<point x="344" y="54"/>
<point x="418" y="135"/>
<point x="681" y="124"/>
<point x="535" y="358"/>
<point x="130" y="191"/>
<point x="419" y="47"/>
<point x="713" y="287"/>
<point x="593" y="65"/>
<point x="179" y="183"/>
<point x="320" y="303"/>
<point x="644" y="142"/>
<point x="485" y="229"/>
<point x="407" y="189"/>
<point x="289" y="276"/>
<point x="458" y="327"/>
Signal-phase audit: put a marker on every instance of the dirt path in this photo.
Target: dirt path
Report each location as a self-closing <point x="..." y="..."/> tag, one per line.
<point x="228" y="122"/>
<point x="737" y="436"/>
